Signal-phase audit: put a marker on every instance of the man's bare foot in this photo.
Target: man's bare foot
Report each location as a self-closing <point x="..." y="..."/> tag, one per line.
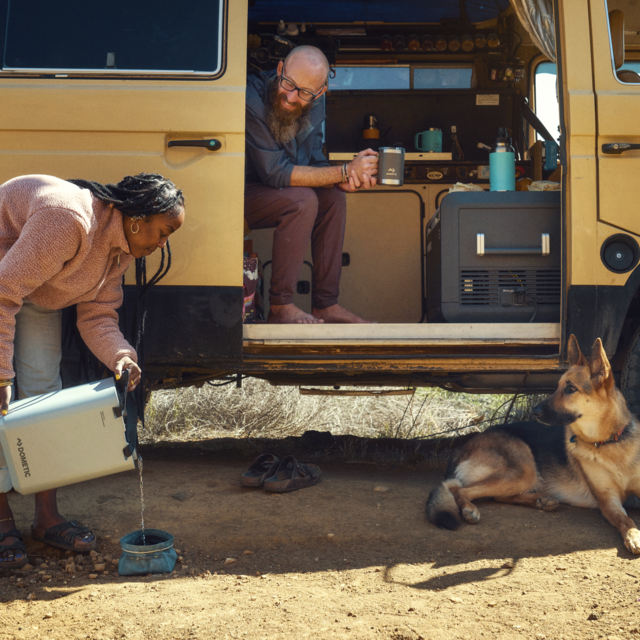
<point x="290" y="314"/>
<point x="336" y="314"/>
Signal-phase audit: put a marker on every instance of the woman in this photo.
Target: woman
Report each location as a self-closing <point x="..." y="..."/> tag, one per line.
<point x="66" y="243"/>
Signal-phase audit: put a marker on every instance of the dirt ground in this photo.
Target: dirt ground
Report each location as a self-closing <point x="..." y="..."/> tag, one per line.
<point x="337" y="560"/>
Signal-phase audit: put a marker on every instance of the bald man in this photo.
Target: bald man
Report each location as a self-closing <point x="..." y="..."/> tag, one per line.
<point x="290" y="185"/>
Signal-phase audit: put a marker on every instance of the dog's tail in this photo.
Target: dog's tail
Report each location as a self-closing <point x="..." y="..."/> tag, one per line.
<point x="442" y="509"/>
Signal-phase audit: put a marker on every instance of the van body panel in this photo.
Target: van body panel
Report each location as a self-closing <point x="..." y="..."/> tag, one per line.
<point x="579" y="116"/>
<point x="122" y="105"/>
<point x="618" y="105"/>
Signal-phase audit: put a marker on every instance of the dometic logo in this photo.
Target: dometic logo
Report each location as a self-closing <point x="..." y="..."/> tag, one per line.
<point x="391" y="170"/>
<point x="23" y="460"/>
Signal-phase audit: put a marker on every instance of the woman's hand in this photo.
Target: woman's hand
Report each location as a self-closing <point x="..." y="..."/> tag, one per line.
<point x="5" y="397"/>
<point x="134" y="371"/>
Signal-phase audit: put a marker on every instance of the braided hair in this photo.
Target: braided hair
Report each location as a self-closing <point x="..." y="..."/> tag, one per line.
<point x="146" y="194"/>
<point x="143" y="195"/>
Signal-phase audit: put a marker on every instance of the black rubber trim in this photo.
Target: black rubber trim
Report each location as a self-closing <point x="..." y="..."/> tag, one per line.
<point x="189" y="326"/>
<point x="600" y="311"/>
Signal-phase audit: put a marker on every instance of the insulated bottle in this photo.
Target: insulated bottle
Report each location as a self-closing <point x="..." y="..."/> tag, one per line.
<point x="502" y="163"/>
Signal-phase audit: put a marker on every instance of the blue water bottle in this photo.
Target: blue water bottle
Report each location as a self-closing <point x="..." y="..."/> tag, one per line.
<point x="502" y="163"/>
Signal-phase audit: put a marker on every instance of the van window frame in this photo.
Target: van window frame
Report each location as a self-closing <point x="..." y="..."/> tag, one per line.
<point x="129" y="74"/>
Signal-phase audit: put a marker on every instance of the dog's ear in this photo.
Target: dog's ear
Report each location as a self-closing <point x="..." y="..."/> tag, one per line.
<point x="599" y="364"/>
<point x="574" y="353"/>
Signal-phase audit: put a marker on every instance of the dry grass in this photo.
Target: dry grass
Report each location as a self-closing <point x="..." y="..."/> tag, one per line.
<point x="259" y="410"/>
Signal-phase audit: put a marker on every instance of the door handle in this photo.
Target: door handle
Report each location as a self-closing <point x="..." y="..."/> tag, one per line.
<point x="212" y="145"/>
<point x="543" y="250"/>
<point x="616" y="148"/>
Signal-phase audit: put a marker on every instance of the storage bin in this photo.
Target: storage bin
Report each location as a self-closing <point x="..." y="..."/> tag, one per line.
<point x="494" y="257"/>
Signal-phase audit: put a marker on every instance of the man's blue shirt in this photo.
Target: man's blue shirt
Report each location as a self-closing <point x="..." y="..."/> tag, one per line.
<point x="266" y="160"/>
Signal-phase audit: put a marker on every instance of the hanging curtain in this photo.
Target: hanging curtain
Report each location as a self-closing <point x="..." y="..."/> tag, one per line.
<point x="536" y="16"/>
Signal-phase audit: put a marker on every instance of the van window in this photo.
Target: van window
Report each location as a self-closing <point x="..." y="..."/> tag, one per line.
<point x="623" y="33"/>
<point x="370" y="78"/>
<point x="390" y="78"/>
<point x="631" y="65"/>
<point x="116" y="37"/>
<point x="547" y="107"/>
<point x="442" y="78"/>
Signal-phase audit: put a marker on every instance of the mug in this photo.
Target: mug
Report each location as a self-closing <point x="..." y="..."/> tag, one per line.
<point x="391" y="166"/>
<point x="432" y="141"/>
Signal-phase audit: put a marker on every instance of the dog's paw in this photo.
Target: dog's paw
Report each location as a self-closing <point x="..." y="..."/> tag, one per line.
<point x="547" y="504"/>
<point x="471" y="514"/>
<point x="632" y="541"/>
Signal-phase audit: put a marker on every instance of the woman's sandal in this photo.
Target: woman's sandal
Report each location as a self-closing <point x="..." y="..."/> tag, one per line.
<point x="261" y="468"/>
<point x="14" y="546"/>
<point x="63" y="536"/>
<point x="292" y="475"/>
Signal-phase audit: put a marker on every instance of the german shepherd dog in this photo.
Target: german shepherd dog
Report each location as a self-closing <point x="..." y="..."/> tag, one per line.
<point x="586" y="453"/>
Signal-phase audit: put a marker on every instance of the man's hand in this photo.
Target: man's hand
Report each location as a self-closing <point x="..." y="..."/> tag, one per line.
<point x="134" y="371"/>
<point x="363" y="170"/>
<point x="5" y="397"/>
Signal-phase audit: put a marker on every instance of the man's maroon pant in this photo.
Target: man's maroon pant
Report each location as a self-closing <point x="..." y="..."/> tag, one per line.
<point x="300" y="214"/>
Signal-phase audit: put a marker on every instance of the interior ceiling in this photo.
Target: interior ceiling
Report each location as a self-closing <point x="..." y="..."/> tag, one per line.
<point x="422" y="11"/>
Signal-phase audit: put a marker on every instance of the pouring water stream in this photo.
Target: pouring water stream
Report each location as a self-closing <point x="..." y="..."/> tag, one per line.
<point x="144" y="542"/>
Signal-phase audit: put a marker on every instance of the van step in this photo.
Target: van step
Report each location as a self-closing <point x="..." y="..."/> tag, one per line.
<point x="407" y="334"/>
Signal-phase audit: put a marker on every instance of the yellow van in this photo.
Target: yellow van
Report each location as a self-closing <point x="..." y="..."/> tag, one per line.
<point x="472" y="290"/>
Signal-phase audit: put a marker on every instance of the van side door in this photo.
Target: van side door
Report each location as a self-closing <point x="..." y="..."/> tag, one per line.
<point x="613" y="242"/>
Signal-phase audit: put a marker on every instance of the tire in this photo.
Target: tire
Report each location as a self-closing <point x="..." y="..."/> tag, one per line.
<point x="630" y="381"/>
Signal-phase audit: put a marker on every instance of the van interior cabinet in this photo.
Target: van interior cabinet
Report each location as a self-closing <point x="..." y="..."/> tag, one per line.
<point x="381" y="257"/>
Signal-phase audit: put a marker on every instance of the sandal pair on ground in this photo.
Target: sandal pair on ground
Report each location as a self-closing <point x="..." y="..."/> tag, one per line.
<point x="273" y="474"/>
<point x="60" y="535"/>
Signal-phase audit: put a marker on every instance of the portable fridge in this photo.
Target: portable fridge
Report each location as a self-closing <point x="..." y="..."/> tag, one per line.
<point x="495" y="257"/>
<point x="65" y="437"/>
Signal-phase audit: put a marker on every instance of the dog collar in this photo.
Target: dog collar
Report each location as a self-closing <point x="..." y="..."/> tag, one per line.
<point x="597" y="445"/>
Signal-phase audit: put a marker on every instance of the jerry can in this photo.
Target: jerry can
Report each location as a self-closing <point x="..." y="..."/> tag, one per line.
<point x="65" y="437"/>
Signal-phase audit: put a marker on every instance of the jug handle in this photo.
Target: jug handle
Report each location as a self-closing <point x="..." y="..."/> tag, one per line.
<point x="122" y="385"/>
<point x="416" y="142"/>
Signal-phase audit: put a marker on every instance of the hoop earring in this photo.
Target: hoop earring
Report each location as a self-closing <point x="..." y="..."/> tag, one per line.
<point x="135" y="221"/>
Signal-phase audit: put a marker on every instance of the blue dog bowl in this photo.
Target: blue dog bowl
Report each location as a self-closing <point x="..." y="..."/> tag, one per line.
<point x="156" y="556"/>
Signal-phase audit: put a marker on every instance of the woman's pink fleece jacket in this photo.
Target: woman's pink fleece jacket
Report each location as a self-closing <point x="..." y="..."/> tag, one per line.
<point x="60" y="246"/>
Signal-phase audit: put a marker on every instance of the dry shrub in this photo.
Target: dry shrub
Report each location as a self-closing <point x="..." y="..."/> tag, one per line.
<point x="259" y="409"/>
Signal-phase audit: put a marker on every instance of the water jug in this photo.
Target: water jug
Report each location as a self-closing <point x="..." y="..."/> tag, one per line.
<point x="65" y="437"/>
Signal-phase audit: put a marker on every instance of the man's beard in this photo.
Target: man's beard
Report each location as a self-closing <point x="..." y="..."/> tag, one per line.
<point x="285" y="124"/>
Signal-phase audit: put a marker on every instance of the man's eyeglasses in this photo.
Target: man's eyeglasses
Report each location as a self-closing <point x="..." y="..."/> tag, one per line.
<point x="304" y="94"/>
